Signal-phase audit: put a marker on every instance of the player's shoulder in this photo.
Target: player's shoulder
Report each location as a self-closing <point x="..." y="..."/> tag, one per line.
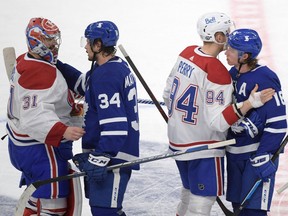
<point x="216" y="71"/>
<point x="265" y="75"/>
<point x="264" y="70"/>
<point x="35" y="74"/>
<point x="115" y="68"/>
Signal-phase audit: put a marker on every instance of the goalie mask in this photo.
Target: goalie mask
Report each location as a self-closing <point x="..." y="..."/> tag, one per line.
<point x="43" y="38"/>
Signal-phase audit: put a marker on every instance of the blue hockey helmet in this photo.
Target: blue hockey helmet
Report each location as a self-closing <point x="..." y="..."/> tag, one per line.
<point x="107" y="31"/>
<point x="245" y="41"/>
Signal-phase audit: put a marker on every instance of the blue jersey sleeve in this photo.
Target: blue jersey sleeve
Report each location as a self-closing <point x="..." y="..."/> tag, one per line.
<point x="75" y="79"/>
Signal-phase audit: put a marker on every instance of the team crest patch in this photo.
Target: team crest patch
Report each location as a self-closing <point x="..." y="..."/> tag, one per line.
<point x="201" y="186"/>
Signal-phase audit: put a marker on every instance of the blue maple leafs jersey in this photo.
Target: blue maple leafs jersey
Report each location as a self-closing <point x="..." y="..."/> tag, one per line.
<point x="270" y="120"/>
<point x="110" y="108"/>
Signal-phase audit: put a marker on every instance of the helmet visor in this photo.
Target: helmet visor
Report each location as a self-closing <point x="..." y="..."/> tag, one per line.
<point x="83" y="41"/>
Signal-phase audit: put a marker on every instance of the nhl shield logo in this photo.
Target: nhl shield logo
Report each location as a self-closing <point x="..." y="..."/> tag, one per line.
<point x="201" y="186"/>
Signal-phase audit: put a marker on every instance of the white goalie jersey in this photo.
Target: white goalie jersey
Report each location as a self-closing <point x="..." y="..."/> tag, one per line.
<point x="198" y="95"/>
<point x="38" y="109"/>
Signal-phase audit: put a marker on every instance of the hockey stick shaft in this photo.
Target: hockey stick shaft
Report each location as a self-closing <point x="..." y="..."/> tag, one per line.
<point x="33" y="187"/>
<point x="147" y="101"/>
<point x="282" y="188"/>
<point x="148" y="90"/>
<point x="259" y="181"/>
<point x="226" y="211"/>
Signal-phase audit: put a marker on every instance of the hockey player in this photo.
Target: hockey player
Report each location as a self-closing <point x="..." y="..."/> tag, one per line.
<point x="39" y="130"/>
<point x="198" y="94"/>
<point x="111" y="119"/>
<point x="258" y="134"/>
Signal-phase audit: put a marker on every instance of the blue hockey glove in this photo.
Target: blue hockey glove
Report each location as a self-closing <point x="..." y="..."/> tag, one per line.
<point x="96" y="166"/>
<point x="264" y="167"/>
<point x="80" y="159"/>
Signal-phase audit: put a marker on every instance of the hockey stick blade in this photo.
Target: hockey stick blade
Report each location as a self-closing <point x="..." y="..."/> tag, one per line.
<point x="258" y="182"/>
<point x="9" y="60"/>
<point x="33" y="187"/>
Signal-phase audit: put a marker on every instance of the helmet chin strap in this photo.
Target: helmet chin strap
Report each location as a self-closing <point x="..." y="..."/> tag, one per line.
<point x="93" y="61"/>
<point x="240" y="66"/>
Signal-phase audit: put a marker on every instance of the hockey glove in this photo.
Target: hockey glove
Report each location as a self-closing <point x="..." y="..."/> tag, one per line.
<point x="264" y="167"/>
<point x="96" y="166"/>
<point x="80" y="159"/>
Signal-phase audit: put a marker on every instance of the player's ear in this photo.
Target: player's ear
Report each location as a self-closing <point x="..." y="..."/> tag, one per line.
<point x="97" y="45"/>
<point x="220" y="37"/>
<point x="245" y="57"/>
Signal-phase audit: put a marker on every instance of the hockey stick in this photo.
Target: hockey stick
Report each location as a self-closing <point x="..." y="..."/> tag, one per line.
<point x="258" y="182"/>
<point x="226" y="211"/>
<point x="9" y="60"/>
<point x="147" y="101"/>
<point x="282" y="188"/>
<point x="127" y="57"/>
<point x="33" y="187"/>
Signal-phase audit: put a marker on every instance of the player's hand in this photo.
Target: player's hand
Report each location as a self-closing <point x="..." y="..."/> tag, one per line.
<point x="73" y="133"/>
<point x="96" y="166"/>
<point x="258" y="99"/>
<point x="264" y="167"/>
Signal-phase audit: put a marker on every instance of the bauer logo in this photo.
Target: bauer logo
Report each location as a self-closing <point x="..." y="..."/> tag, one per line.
<point x="210" y="20"/>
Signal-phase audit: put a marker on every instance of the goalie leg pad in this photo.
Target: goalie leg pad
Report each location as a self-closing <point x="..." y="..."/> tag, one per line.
<point x="46" y="207"/>
<point x="74" y="201"/>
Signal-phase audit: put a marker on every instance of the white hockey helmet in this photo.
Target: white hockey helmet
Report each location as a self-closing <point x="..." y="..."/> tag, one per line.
<point x="210" y="23"/>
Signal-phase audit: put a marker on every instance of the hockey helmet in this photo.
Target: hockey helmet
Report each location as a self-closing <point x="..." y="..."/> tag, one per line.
<point x="107" y="31"/>
<point x="210" y="23"/>
<point x="245" y="41"/>
<point x="43" y="38"/>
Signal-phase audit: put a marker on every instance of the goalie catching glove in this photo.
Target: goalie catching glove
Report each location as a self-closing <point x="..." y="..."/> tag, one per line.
<point x="264" y="167"/>
<point x="93" y="164"/>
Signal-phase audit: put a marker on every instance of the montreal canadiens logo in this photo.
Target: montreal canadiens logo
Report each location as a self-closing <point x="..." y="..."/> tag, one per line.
<point x="48" y="25"/>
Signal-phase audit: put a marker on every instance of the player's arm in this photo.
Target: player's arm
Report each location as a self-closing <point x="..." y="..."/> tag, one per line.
<point x="255" y="100"/>
<point x="275" y="128"/>
<point x="168" y="86"/>
<point x="74" y="78"/>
